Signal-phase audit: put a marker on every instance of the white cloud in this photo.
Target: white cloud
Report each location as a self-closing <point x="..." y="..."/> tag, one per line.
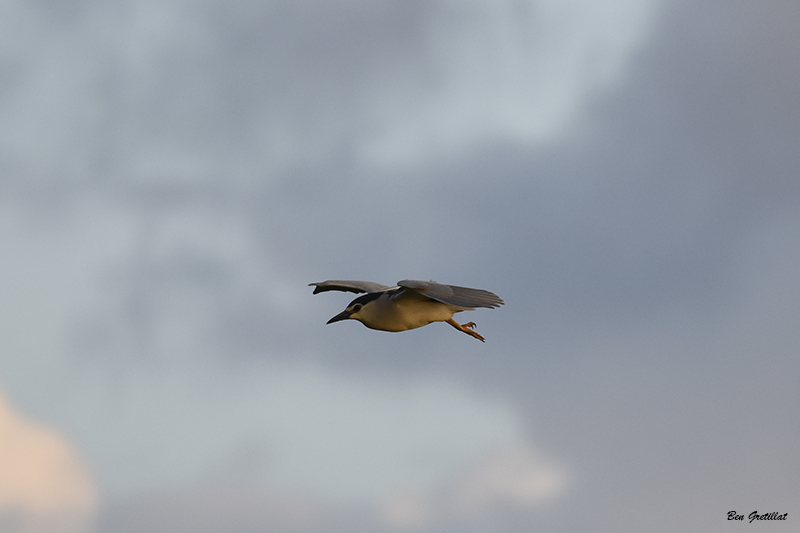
<point x="514" y="476"/>
<point x="44" y="486"/>
<point x="128" y="90"/>
<point x="505" y="70"/>
<point x="293" y="429"/>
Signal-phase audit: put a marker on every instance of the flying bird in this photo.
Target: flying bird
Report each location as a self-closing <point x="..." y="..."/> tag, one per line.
<point x="410" y="304"/>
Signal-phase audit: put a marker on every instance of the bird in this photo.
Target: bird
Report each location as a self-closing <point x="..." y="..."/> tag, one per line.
<point x="410" y="304"/>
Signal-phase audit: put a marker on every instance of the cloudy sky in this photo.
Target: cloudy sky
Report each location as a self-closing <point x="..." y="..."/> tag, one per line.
<point x="174" y="173"/>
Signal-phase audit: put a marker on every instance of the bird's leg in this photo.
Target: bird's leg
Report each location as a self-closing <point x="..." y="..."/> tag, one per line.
<point x="465" y="328"/>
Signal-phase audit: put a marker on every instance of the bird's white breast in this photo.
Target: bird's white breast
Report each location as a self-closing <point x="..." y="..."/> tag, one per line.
<point x="406" y="312"/>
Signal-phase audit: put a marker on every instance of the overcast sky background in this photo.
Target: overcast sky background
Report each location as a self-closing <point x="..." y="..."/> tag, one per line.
<point x="625" y="174"/>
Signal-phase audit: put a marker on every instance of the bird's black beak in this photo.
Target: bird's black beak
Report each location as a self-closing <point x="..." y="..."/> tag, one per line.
<point x="344" y="315"/>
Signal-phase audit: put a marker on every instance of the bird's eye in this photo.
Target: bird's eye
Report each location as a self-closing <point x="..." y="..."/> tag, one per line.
<point x="357" y="308"/>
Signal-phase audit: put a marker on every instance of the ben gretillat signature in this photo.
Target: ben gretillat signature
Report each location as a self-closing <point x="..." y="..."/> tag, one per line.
<point x="733" y="515"/>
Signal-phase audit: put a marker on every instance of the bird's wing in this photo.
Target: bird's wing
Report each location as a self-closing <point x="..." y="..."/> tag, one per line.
<point x="347" y="286"/>
<point x="452" y="294"/>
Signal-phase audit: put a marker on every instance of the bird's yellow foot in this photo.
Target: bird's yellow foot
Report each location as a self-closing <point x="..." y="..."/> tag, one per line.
<point x="466" y="329"/>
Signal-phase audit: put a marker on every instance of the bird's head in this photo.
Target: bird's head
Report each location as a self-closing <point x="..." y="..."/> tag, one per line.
<point x="355" y="310"/>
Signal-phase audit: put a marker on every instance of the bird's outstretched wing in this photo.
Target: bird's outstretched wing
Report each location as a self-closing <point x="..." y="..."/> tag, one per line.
<point x="347" y="286"/>
<point x="452" y="294"/>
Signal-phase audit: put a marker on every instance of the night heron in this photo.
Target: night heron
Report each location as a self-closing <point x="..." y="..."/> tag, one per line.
<point x="410" y="304"/>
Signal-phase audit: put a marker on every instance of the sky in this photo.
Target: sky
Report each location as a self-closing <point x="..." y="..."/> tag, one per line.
<point x="624" y="175"/>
